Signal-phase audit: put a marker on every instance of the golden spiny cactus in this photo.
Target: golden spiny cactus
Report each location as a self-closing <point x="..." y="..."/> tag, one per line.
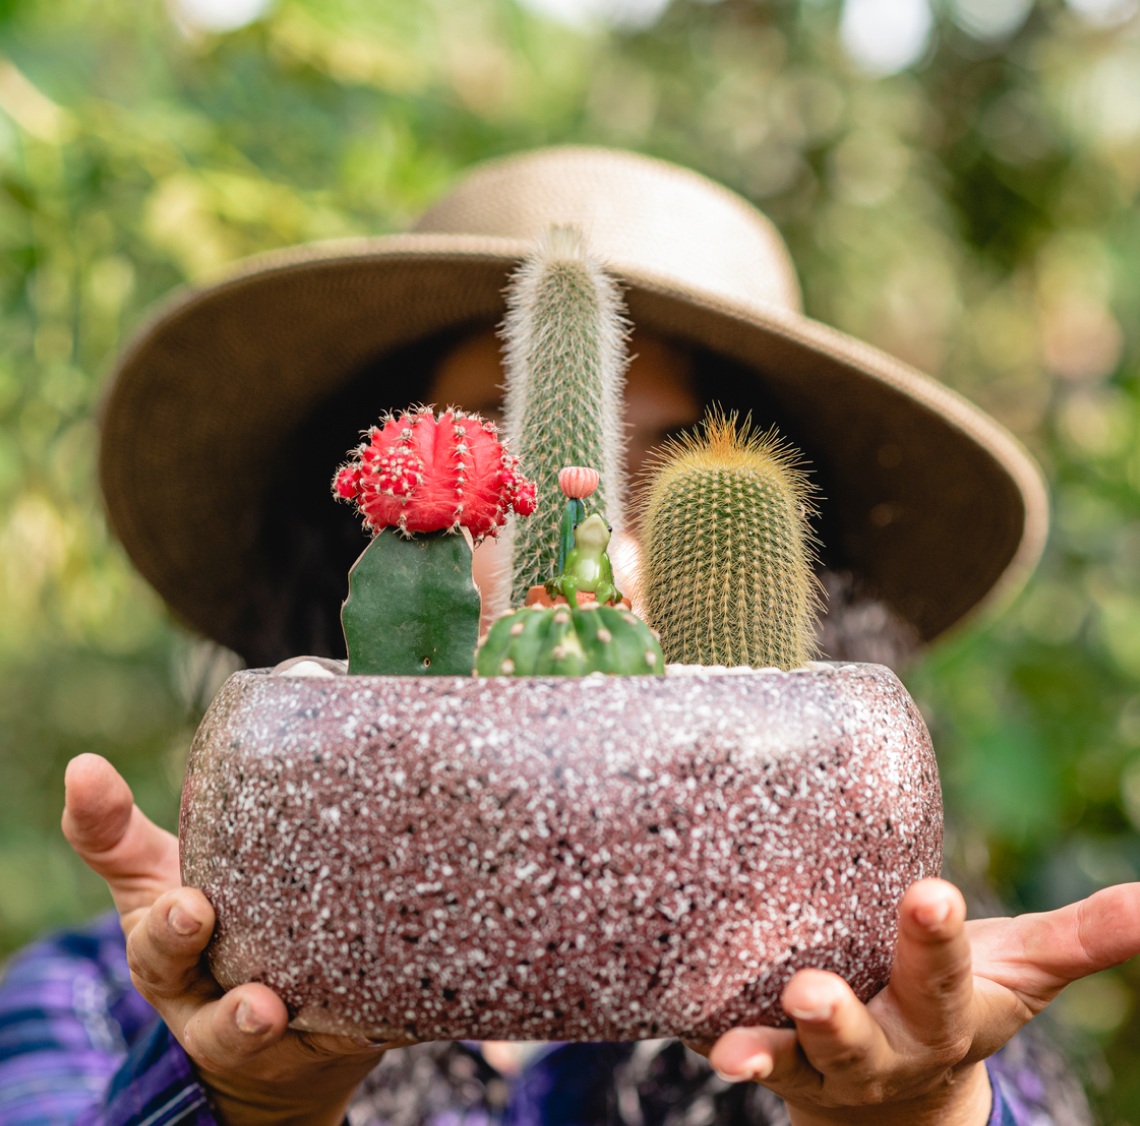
<point x="728" y="555"/>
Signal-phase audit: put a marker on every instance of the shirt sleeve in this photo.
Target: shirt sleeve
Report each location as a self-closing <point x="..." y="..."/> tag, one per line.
<point x="1033" y="1084"/>
<point x="79" y="1045"/>
<point x="1001" y="1113"/>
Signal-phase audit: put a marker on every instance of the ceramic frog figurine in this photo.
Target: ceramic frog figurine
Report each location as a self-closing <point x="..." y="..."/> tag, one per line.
<point x="587" y="565"/>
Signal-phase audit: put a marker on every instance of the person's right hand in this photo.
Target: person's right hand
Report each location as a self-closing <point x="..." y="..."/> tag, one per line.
<point x="958" y="991"/>
<point x="257" y="1072"/>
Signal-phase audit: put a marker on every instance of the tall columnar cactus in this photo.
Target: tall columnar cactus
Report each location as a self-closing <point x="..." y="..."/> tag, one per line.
<point x="727" y="569"/>
<point x="565" y="368"/>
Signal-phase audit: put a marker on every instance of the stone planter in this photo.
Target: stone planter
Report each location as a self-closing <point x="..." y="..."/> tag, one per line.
<point x="606" y="858"/>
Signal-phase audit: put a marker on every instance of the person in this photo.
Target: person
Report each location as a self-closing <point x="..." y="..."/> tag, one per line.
<point x="225" y="420"/>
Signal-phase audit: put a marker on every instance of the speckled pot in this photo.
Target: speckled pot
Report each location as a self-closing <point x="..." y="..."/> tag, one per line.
<point x="557" y="859"/>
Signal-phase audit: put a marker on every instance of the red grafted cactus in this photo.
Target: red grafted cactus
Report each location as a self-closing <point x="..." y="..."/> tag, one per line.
<point x="419" y="473"/>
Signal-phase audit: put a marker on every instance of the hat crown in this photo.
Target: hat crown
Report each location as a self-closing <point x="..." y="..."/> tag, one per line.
<point x="652" y="220"/>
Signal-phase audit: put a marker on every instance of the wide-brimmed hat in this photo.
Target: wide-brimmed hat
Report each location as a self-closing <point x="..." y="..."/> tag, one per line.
<point x="933" y="504"/>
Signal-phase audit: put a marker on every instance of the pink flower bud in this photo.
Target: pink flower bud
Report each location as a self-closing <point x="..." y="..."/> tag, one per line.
<point x="577" y="482"/>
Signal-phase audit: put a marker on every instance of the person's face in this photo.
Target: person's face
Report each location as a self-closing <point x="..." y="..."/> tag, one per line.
<point x="659" y="394"/>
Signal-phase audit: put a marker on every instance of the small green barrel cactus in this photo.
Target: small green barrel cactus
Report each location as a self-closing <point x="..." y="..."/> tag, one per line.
<point x="564" y="641"/>
<point x="565" y="368"/>
<point x="728" y="562"/>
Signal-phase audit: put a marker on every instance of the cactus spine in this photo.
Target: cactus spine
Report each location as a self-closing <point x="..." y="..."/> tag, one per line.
<point x="566" y="641"/>
<point x="565" y="368"/>
<point x="728" y="560"/>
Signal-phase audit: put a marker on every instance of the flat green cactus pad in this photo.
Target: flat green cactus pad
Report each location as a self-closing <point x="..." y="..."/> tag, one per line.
<point x="412" y="607"/>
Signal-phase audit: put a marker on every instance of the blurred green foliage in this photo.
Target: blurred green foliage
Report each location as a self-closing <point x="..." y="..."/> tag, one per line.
<point x="975" y="214"/>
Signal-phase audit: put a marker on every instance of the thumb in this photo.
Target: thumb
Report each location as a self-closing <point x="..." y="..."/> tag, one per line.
<point x="113" y="837"/>
<point x="1091" y="935"/>
<point x="1036" y="956"/>
<point x="97" y="805"/>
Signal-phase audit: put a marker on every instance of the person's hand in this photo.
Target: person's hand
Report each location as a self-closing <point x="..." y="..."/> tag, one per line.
<point x="257" y="1072"/>
<point x="957" y="993"/>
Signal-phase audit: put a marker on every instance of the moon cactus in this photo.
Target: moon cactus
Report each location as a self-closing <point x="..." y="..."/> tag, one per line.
<point x="412" y="606"/>
<point x="418" y="473"/>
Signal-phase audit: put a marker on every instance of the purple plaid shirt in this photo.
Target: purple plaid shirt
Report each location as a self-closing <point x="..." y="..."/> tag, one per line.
<point x="79" y="1045"/>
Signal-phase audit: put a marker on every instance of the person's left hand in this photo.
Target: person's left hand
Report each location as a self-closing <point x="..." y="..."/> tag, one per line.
<point x="957" y="993"/>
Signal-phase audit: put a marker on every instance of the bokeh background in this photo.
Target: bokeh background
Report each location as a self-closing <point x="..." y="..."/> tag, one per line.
<point x="957" y="180"/>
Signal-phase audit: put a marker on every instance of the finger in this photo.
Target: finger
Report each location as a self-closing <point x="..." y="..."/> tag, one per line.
<point x="164" y="951"/>
<point x="138" y="860"/>
<point x="836" y="1032"/>
<point x="97" y="806"/>
<point x="932" y="981"/>
<point x="223" y="1035"/>
<point x="1038" y="955"/>
<point x="743" y="1054"/>
<point x="1078" y="940"/>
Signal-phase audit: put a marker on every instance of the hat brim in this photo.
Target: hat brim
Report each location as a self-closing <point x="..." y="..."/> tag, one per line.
<point x="937" y="506"/>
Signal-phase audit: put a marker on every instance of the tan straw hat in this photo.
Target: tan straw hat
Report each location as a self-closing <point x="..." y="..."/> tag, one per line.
<point x="935" y="506"/>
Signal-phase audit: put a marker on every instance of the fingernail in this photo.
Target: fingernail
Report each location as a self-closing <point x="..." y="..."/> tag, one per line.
<point x="758" y="1066"/>
<point x="820" y="1012"/>
<point x="932" y="914"/>
<point x="247" y="1020"/>
<point x="181" y="921"/>
<point x="371" y="1042"/>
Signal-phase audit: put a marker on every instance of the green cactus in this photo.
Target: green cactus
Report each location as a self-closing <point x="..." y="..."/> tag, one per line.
<point x="412" y="607"/>
<point x="565" y="641"/>
<point x="565" y="368"/>
<point x="728" y="556"/>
